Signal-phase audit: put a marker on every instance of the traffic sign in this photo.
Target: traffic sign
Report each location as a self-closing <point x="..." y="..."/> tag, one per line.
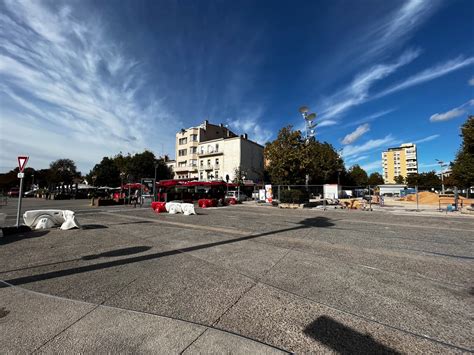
<point x="21" y="175"/>
<point x="22" y="160"/>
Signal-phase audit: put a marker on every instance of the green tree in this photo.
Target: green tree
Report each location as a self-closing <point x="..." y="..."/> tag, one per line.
<point x="375" y="179"/>
<point x="322" y="162"/>
<point x="289" y="159"/>
<point x="63" y="171"/>
<point x="463" y="167"/>
<point x="425" y="180"/>
<point x="357" y="176"/>
<point x="106" y="173"/>
<point x="399" y="179"/>
<point x="285" y="158"/>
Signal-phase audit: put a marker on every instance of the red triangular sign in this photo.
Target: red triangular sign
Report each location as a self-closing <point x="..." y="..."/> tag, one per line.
<point x="22" y="163"/>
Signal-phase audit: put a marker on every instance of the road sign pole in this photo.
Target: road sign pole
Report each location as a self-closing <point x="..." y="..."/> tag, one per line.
<point x="18" y="212"/>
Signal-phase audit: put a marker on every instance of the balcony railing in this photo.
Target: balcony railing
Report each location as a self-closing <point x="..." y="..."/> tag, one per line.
<point x="209" y="152"/>
<point x="206" y="167"/>
<point x="188" y="167"/>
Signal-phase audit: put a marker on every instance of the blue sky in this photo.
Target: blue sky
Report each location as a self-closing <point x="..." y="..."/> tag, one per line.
<point x="87" y="79"/>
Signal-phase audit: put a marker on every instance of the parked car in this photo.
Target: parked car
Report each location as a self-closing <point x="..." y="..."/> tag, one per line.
<point x="14" y="192"/>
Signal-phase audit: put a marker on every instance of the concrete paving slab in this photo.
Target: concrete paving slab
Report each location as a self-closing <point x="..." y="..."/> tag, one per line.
<point x="110" y="331"/>
<point x="246" y="257"/>
<point x="183" y="287"/>
<point x="217" y="342"/>
<point x="28" y="320"/>
<point x="301" y="326"/>
<point x="413" y="304"/>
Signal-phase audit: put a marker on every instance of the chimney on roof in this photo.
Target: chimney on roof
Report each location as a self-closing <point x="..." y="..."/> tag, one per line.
<point x="206" y="122"/>
<point x="222" y="125"/>
<point x="246" y="136"/>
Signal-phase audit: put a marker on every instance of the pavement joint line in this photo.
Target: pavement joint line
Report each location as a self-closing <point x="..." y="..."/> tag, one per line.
<point x="102" y="305"/>
<point x="256" y="282"/>
<point x="191" y="343"/>
<point x="371" y="320"/>
<point x="306" y="213"/>
<point x="228" y="230"/>
<point x="83" y="316"/>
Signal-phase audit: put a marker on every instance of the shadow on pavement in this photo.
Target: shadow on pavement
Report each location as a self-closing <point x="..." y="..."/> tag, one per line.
<point x="118" y="252"/>
<point x="344" y="340"/>
<point x="315" y="222"/>
<point x="11" y="234"/>
<point x="93" y="226"/>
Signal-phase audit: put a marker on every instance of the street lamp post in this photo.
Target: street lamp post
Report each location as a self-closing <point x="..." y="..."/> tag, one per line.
<point x="154" y="186"/>
<point x="442" y="164"/>
<point x="310" y="131"/>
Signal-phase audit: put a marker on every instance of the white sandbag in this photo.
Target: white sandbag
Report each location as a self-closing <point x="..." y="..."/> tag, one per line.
<point x="175" y="206"/>
<point x="69" y="220"/>
<point x="31" y="218"/>
<point x="45" y="223"/>
<point x="41" y="219"/>
<point x="188" y="209"/>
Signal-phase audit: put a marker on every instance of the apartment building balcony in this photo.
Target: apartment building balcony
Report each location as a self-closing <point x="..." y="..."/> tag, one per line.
<point x="206" y="167"/>
<point x="184" y="168"/>
<point x="210" y="153"/>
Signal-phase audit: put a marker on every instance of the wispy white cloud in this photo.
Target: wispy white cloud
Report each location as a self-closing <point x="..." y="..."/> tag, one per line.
<point x="375" y="165"/>
<point x="396" y="27"/>
<point x="427" y="139"/>
<point x="373" y="144"/>
<point x="429" y="74"/>
<point x="453" y="113"/>
<point x="357" y="91"/>
<point x="250" y="124"/>
<point x="370" y="118"/>
<point x="327" y="123"/>
<point x="68" y="88"/>
<point x="428" y="165"/>
<point x="471" y="81"/>
<point x="355" y="160"/>
<point x="354" y="136"/>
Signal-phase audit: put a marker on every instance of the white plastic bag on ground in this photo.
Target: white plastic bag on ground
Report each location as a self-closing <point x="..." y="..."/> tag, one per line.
<point x="188" y="209"/>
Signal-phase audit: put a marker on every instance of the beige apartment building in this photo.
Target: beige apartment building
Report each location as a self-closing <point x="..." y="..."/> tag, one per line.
<point x="399" y="161"/>
<point x="211" y="152"/>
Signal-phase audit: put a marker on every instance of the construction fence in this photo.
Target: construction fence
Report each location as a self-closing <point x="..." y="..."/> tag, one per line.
<point x="416" y="197"/>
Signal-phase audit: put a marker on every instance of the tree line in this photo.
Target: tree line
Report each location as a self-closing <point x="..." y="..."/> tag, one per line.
<point x="289" y="158"/>
<point x="110" y="171"/>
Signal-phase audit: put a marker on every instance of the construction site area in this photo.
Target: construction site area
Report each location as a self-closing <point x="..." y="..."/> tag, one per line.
<point x="241" y="278"/>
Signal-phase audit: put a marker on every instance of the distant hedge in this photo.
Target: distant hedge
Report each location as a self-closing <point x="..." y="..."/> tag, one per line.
<point x="293" y="196"/>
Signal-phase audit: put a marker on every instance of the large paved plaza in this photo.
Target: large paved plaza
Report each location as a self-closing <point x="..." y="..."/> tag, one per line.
<point x="242" y="279"/>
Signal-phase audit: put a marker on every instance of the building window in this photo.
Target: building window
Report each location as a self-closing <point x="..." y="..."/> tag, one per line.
<point x="193" y="162"/>
<point x="208" y="162"/>
<point x="194" y="137"/>
<point x="217" y="147"/>
<point x="182" y="163"/>
<point x="201" y="176"/>
<point x="216" y="174"/>
<point x="193" y="150"/>
<point x="202" y="162"/>
<point x="217" y="161"/>
<point x="183" y="140"/>
<point x="182" y="152"/>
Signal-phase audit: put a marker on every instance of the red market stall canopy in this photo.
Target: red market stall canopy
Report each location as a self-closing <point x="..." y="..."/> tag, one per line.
<point x="189" y="183"/>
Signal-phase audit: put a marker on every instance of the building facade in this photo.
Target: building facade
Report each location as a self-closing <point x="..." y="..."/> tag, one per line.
<point x="213" y="152"/>
<point x="399" y="161"/>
